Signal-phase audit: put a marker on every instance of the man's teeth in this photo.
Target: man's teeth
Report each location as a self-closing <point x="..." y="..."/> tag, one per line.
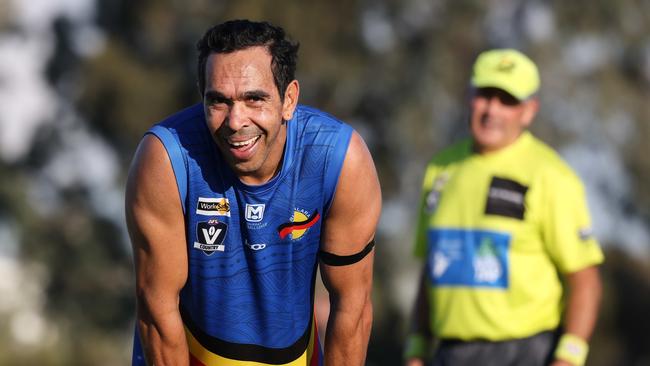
<point x="244" y="143"/>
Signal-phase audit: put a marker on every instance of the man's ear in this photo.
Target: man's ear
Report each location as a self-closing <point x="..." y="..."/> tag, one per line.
<point x="290" y="100"/>
<point x="531" y="107"/>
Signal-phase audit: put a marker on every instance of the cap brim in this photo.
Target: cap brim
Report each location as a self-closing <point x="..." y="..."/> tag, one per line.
<point x="499" y="84"/>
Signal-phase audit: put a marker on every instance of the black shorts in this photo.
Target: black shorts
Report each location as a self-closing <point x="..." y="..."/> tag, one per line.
<point x="536" y="350"/>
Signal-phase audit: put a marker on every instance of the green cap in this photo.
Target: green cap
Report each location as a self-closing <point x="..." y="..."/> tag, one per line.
<point x="508" y="70"/>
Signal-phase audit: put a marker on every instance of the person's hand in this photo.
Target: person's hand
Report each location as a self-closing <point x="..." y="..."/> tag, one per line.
<point x="561" y="363"/>
<point x="415" y="362"/>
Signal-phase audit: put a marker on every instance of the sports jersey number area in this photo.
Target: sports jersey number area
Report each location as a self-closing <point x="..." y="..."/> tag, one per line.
<point x="473" y="258"/>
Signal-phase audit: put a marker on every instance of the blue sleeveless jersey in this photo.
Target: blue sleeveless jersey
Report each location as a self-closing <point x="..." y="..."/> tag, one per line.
<point x="253" y="249"/>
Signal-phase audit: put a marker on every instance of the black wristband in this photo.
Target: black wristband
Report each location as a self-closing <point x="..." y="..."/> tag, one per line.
<point x="344" y="260"/>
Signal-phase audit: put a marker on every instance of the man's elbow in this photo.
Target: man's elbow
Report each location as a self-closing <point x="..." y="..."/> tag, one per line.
<point x="586" y="285"/>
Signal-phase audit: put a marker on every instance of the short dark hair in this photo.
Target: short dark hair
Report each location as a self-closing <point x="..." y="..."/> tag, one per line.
<point x="240" y="34"/>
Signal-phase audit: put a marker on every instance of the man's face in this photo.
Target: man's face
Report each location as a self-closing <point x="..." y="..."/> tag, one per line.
<point x="498" y="118"/>
<point x="244" y="112"/>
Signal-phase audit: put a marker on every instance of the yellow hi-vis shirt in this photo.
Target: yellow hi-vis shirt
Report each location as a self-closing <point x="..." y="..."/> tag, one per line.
<point x="497" y="231"/>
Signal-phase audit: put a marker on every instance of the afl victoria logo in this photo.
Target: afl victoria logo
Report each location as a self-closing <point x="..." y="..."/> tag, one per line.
<point x="210" y="236"/>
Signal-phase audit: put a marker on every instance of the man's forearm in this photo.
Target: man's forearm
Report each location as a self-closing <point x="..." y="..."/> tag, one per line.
<point x="585" y="291"/>
<point x="348" y="332"/>
<point x="164" y="341"/>
<point x="580" y="319"/>
<point x="419" y="339"/>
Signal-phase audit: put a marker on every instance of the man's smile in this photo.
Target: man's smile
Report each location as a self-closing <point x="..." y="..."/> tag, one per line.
<point x="243" y="143"/>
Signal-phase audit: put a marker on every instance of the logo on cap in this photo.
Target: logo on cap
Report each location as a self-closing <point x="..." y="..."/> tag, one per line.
<point x="506" y="65"/>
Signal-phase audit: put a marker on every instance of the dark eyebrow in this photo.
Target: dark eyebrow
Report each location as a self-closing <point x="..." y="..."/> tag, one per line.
<point x="213" y="96"/>
<point x="256" y="94"/>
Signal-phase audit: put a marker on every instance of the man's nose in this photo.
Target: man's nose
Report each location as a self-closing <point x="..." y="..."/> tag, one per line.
<point x="493" y="102"/>
<point x="237" y="117"/>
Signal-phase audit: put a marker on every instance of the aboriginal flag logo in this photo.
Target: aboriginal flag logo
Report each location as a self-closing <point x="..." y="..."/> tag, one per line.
<point x="300" y="223"/>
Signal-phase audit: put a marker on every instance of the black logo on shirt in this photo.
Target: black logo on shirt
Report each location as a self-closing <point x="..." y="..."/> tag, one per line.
<point x="210" y="236"/>
<point x="506" y="198"/>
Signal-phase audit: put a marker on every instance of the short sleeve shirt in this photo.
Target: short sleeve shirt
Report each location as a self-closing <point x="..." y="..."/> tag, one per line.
<point x="495" y="230"/>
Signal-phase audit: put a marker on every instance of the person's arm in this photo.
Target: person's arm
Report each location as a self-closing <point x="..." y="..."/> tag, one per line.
<point x="348" y="228"/>
<point x="584" y="294"/>
<point x="156" y="226"/>
<point x="566" y="232"/>
<point x="420" y="339"/>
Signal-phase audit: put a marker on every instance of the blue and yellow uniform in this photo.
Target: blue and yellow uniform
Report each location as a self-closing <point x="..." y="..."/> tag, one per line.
<point x="252" y="250"/>
<point x="495" y="229"/>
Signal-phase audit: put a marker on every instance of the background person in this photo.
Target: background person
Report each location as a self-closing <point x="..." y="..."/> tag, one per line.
<point x="504" y="231"/>
<point x="230" y="204"/>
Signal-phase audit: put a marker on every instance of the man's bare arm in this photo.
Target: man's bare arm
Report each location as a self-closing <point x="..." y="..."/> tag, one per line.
<point x="156" y="226"/>
<point x="419" y="327"/>
<point x="585" y="292"/>
<point x="348" y="228"/>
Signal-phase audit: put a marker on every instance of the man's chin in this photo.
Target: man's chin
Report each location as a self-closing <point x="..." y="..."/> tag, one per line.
<point x="487" y="144"/>
<point x="244" y="168"/>
<point x="239" y="166"/>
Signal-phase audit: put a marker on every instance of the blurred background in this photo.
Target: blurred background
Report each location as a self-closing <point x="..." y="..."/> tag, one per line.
<point x="82" y="80"/>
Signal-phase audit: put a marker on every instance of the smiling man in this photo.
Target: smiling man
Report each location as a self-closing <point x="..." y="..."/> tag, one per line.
<point x="505" y="235"/>
<point x="231" y="205"/>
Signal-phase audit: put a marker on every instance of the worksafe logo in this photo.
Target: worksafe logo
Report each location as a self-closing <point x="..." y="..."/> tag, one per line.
<point x="210" y="236"/>
<point x="254" y="213"/>
<point x="300" y="222"/>
<point x="213" y="206"/>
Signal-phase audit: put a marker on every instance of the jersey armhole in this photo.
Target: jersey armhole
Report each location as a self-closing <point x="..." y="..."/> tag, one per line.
<point x="340" y="149"/>
<point x="179" y="165"/>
